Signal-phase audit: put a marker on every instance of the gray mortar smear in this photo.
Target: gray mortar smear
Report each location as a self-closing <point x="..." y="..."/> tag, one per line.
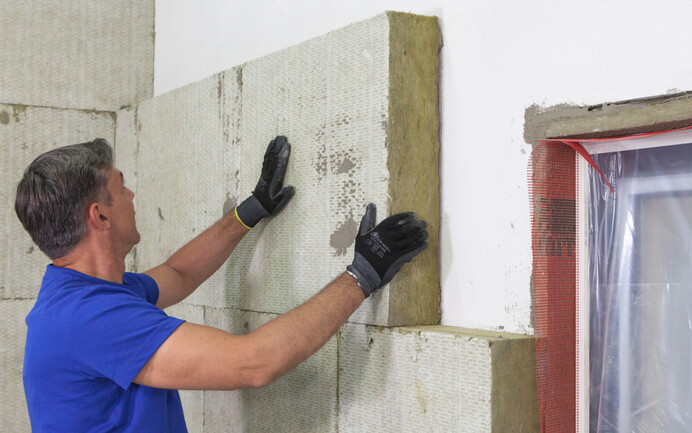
<point x="229" y="205"/>
<point x="321" y="163"/>
<point x="344" y="237"/>
<point x="345" y="166"/>
<point x="4" y="117"/>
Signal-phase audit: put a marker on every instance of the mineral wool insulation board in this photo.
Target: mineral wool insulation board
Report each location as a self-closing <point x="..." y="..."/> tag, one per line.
<point x="435" y="379"/>
<point x="77" y="54"/>
<point x="26" y="132"/>
<point x="14" y="416"/>
<point x="359" y="107"/>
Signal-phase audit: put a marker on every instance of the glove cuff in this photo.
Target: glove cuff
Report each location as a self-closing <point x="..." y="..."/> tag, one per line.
<point x="250" y="212"/>
<point x="367" y="277"/>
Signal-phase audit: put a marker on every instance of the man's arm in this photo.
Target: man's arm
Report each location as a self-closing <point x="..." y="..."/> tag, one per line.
<point x="201" y="357"/>
<point x="190" y="266"/>
<point x="197" y="260"/>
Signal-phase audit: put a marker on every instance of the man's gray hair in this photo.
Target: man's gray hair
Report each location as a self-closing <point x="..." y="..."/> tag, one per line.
<point x="56" y="191"/>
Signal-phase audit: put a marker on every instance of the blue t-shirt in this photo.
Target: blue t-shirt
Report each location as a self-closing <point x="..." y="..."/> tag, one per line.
<point x="87" y="339"/>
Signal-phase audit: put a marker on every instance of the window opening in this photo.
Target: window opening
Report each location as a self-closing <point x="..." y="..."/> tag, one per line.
<point x="640" y="283"/>
<point x="565" y="194"/>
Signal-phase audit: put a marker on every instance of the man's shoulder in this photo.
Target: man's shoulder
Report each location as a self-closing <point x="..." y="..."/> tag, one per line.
<point x="68" y="298"/>
<point x="67" y="282"/>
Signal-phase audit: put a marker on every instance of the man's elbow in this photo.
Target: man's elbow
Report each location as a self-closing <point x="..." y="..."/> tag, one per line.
<point x="260" y="379"/>
<point x="266" y="367"/>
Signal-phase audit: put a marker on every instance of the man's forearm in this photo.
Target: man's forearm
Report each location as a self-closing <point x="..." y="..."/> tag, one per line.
<point x="202" y="256"/>
<point x="197" y="260"/>
<point x="291" y="338"/>
<point x="200" y="357"/>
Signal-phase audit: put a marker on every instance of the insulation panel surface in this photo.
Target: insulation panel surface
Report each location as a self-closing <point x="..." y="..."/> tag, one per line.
<point x="77" y="54"/>
<point x="14" y="416"/>
<point x="435" y="379"/>
<point x="125" y="148"/>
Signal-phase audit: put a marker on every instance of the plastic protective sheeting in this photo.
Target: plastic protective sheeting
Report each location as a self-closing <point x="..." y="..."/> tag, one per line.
<point x="641" y="291"/>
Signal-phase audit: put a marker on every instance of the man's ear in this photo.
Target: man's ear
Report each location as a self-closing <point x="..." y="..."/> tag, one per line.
<point x="97" y="217"/>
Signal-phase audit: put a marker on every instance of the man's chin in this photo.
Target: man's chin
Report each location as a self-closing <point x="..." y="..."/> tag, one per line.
<point x="135" y="239"/>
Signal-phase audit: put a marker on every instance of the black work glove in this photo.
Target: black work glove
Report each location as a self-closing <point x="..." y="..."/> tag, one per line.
<point x="381" y="250"/>
<point x="269" y="197"/>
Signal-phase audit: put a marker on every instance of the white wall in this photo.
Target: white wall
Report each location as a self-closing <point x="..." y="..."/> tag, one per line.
<point x="499" y="57"/>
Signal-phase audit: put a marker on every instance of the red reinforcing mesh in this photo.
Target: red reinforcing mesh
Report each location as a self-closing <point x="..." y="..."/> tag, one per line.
<point x="553" y="193"/>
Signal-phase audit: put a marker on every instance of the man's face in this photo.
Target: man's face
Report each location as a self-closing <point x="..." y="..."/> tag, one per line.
<point x="122" y="209"/>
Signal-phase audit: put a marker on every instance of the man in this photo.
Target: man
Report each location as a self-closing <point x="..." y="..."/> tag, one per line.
<point x="101" y="354"/>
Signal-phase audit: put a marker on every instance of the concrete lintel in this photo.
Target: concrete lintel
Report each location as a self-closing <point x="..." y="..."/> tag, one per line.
<point x="609" y="119"/>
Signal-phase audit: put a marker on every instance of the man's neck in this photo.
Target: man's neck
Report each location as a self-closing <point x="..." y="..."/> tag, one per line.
<point x="98" y="263"/>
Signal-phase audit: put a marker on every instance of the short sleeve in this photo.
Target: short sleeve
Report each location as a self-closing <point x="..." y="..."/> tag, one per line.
<point x="113" y="334"/>
<point x="150" y="290"/>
